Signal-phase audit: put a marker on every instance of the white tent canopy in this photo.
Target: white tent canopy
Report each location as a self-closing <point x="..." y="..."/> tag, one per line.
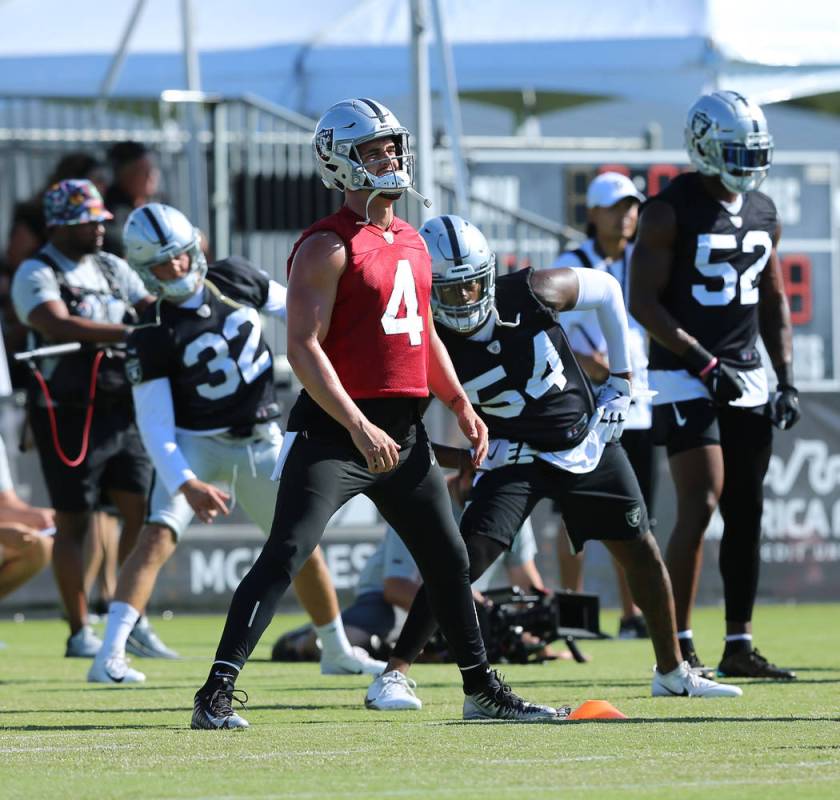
<point x="306" y="56"/>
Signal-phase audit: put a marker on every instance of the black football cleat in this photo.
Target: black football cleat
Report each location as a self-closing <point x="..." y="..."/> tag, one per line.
<point x="499" y="702"/>
<point x="213" y="710"/>
<point x="751" y="664"/>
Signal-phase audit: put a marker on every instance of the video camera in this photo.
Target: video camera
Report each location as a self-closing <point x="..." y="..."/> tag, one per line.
<point x="517" y="625"/>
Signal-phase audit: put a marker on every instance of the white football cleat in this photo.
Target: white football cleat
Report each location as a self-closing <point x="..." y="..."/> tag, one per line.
<point x="393" y="691"/>
<point x="114" y="670"/>
<point x="685" y="682"/>
<point x="356" y="662"/>
<point x="84" y="643"/>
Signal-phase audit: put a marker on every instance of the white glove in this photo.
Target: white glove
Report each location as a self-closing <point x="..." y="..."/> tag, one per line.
<point x="613" y="401"/>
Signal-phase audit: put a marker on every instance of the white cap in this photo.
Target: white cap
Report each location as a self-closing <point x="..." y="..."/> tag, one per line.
<point x="610" y="187"/>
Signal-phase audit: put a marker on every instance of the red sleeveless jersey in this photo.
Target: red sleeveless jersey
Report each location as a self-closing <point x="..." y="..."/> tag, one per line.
<point x="378" y="340"/>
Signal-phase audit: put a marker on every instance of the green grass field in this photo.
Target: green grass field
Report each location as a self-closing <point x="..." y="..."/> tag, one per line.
<point x="311" y="736"/>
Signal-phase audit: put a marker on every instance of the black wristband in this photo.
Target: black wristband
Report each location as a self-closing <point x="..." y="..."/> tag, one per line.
<point x="784" y="375"/>
<point x="697" y="357"/>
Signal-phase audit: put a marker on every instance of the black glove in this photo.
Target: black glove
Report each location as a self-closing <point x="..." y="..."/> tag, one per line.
<point x="784" y="410"/>
<point x="724" y="383"/>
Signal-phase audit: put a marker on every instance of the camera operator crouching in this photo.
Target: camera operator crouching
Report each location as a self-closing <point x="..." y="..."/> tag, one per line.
<point x="79" y="405"/>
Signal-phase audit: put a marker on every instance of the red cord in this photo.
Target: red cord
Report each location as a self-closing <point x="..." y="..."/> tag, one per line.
<point x="88" y="416"/>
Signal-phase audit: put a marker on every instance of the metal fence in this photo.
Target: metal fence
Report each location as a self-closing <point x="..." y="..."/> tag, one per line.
<point x="241" y="168"/>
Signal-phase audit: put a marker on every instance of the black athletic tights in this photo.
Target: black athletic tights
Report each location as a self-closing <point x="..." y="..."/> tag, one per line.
<point x="747" y="441"/>
<point x="318" y="478"/>
<point x="421" y="624"/>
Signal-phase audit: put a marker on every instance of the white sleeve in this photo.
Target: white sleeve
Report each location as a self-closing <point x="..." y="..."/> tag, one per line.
<point x="156" y="422"/>
<point x="600" y="291"/>
<point x="275" y="303"/>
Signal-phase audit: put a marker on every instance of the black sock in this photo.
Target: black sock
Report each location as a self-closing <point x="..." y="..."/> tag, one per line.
<point x="686" y="647"/>
<point x="477" y="679"/>
<point x="737" y="646"/>
<point x="221" y="675"/>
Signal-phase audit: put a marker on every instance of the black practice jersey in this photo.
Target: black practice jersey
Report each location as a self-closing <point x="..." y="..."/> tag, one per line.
<point x="525" y="383"/>
<point x="717" y="266"/>
<point x="215" y="357"/>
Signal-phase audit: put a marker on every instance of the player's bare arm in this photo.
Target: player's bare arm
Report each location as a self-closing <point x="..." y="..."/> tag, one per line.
<point x="55" y="322"/>
<point x="205" y="499"/>
<point x="776" y="332"/>
<point x="444" y="384"/>
<point x="556" y="289"/>
<point x="316" y="271"/>
<point x="774" y="314"/>
<point x="649" y="274"/>
<point x="17" y="536"/>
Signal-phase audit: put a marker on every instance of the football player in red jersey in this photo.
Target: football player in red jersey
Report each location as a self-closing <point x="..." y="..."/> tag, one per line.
<point x="362" y="342"/>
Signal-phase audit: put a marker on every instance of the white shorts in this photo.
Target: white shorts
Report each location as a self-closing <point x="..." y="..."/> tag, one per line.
<point x="240" y="466"/>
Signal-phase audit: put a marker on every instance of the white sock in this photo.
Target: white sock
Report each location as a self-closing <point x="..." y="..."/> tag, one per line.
<point x="334" y="640"/>
<point x="738" y="637"/>
<point x="121" y="620"/>
<point x="687" y="634"/>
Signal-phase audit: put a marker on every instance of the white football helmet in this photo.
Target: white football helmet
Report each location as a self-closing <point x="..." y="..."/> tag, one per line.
<point x="342" y="129"/>
<point x="726" y="135"/>
<point x="155" y="233"/>
<point x="460" y="257"/>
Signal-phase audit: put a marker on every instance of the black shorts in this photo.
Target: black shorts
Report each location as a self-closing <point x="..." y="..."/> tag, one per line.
<point x="689" y="424"/>
<point x="116" y="458"/>
<point x="605" y="504"/>
<point x="638" y="444"/>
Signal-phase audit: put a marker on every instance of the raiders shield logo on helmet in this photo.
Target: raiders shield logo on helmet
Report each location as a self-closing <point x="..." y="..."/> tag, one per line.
<point x="700" y="123"/>
<point x="324" y="143"/>
<point x="634" y="517"/>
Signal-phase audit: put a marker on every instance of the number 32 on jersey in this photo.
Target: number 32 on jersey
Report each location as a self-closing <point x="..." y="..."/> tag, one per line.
<point x="404" y="292"/>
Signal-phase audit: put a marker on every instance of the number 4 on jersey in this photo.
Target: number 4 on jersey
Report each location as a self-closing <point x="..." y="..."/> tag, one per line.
<point x="404" y="292"/>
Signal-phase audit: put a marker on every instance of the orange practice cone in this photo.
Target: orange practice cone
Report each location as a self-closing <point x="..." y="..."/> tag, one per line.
<point x="596" y="709"/>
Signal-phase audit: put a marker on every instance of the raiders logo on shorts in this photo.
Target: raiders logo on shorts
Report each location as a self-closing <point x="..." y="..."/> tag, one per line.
<point x="634" y="517"/>
<point x="133" y="371"/>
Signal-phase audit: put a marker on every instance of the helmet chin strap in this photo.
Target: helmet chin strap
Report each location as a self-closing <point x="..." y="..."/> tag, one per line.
<point x="366" y="220"/>
<point x="424" y="200"/>
<point x="410" y="189"/>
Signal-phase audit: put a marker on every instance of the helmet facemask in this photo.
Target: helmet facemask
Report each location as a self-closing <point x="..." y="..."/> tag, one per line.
<point x="463" y="273"/>
<point x="178" y="289"/>
<point x="155" y="234"/>
<point x="745" y="166"/>
<point x="393" y="181"/>
<point x="463" y="303"/>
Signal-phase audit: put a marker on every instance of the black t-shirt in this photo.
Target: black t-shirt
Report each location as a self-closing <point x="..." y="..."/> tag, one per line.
<point x="215" y="357"/>
<point x="718" y="260"/>
<point x="525" y="382"/>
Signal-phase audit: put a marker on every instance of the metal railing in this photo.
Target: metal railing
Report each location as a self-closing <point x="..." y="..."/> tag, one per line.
<point x="259" y="185"/>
